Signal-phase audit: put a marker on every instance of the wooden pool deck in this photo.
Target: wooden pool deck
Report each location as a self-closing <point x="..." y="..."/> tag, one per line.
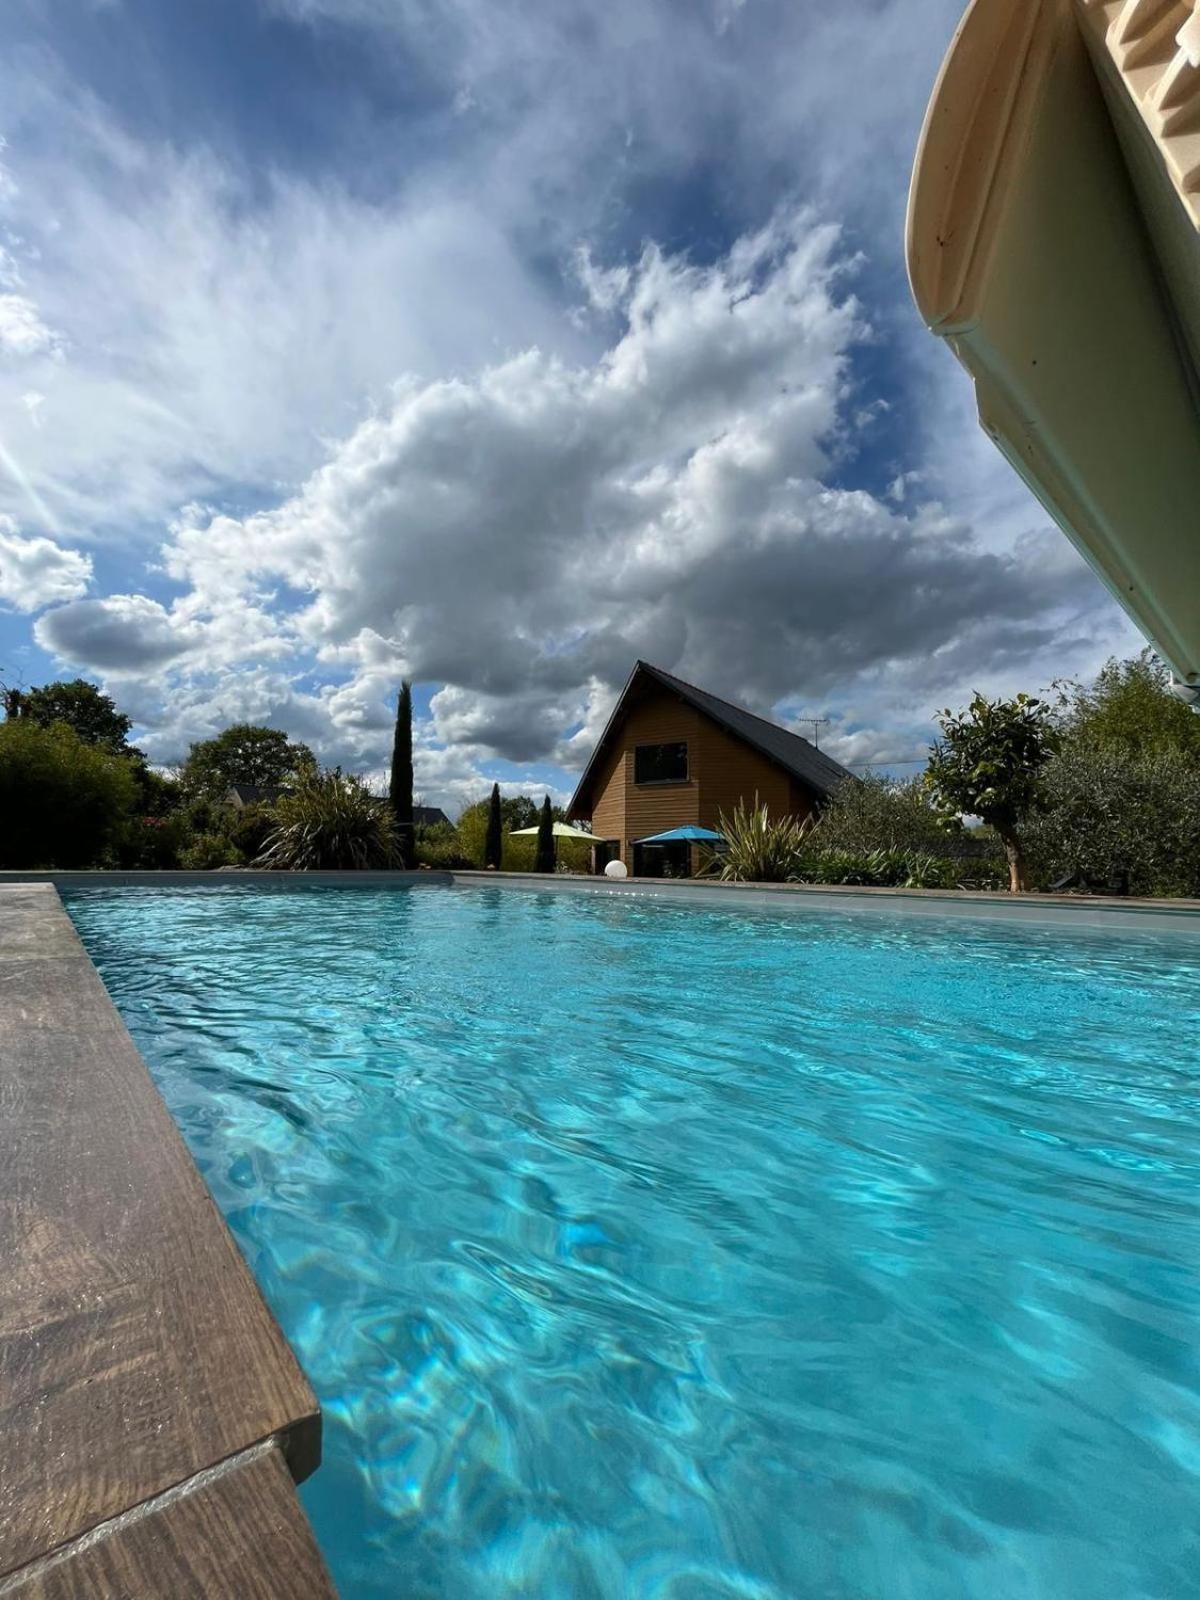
<point x="154" y="1420"/>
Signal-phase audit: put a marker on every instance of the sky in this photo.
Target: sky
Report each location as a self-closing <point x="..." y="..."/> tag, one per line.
<point x="495" y="345"/>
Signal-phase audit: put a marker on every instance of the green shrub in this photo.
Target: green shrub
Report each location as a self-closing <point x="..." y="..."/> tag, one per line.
<point x="759" y="849"/>
<point x="881" y="813"/>
<point x="205" y="852"/>
<point x="1111" y="814"/>
<point x="439" y="846"/>
<point x="153" y="843"/>
<point x="63" y="802"/>
<point x="518" y="855"/>
<point x="331" y="821"/>
<point x="248" y="830"/>
<point x="897" y="869"/>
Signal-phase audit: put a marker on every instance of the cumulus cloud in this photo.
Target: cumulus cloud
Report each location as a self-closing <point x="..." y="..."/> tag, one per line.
<point x="36" y="572"/>
<point x="450" y="417"/>
<point x="125" y="633"/>
<point x="182" y="340"/>
<point x="520" y="537"/>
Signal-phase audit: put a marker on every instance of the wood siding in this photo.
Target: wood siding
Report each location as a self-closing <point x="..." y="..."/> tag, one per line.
<point x="608" y="813"/>
<point x="731" y="772"/>
<point x="655" y="807"/>
<point x="721" y="772"/>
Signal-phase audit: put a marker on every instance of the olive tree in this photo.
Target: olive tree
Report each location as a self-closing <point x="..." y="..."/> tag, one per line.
<point x="1112" y="817"/>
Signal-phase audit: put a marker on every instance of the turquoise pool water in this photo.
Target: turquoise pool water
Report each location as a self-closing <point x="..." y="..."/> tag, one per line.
<point x="639" y="1251"/>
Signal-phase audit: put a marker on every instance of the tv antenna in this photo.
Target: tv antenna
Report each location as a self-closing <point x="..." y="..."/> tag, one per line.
<point x="814" y="723"/>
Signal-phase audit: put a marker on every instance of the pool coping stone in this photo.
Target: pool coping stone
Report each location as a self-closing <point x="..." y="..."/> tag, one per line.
<point x="139" y="1362"/>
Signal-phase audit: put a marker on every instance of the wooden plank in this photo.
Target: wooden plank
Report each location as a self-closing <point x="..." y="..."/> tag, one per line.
<point x="238" y="1534"/>
<point x="135" y="1348"/>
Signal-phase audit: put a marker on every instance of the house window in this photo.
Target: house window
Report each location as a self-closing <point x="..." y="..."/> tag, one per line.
<point x="660" y="763"/>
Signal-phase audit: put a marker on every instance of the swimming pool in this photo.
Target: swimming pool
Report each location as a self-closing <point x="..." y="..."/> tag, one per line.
<point x="644" y="1250"/>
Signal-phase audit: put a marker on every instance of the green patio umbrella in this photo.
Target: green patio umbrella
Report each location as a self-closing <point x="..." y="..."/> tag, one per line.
<point x="562" y="830"/>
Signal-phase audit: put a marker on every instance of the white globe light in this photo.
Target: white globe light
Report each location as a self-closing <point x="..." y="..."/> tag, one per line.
<point x="616" y="869"/>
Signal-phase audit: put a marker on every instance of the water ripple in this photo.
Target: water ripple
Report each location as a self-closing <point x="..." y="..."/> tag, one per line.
<point x="650" y="1252"/>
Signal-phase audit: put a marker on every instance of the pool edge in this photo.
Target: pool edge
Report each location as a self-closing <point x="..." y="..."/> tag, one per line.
<point x="1084" y="912"/>
<point x="138" y="1357"/>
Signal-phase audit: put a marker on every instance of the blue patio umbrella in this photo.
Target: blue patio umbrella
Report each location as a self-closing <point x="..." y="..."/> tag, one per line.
<point x="686" y="835"/>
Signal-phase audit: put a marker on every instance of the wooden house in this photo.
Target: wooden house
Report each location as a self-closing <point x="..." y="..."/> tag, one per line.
<point x="674" y="755"/>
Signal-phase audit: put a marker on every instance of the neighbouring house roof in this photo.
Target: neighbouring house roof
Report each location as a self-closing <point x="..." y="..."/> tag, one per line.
<point x="254" y="794"/>
<point x="429" y="816"/>
<point x="795" y="754"/>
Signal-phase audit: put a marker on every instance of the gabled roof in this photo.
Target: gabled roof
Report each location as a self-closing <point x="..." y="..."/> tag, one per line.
<point x="255" y="794"/>
<point x="429" y="816"/>
<point x="800" y="759"/>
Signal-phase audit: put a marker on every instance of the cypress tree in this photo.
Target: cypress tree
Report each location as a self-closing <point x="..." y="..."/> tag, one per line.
<point x="400" y="789"/>
<point x="494" y="846"/>
<point x="545" y="839"/>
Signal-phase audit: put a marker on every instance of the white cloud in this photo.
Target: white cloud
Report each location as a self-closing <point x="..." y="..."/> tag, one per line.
<point x="22" y="331"/>
<point x="399" y="446"/>
<point x="36" y="572"/>
<point x="521" y="536"/>
<point x="188" y="343"/>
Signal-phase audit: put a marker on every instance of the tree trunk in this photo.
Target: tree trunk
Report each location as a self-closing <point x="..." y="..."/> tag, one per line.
<point x="1018" y="870"/>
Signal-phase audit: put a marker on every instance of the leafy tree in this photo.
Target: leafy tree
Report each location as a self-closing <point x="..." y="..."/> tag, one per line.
<point x="245" y="753"/>
<point x="81" y="705"/>
<point x="882" y="813"/>
<point x="1129" y="708"/>
<point x="544" y="861"/>
<point x="1119" y="819"/>
<point x="516" y="811"/>
<point x="400" y="788"/>
<point x="157" y="794"/>
<point x="63" y="802"/>
<point x="493" y="850"/>
<point x="206" y="852"/>
<point x="440" y="846"/>
<point x="989" y="764"/>
<point x="331" y="821"/>
<point x="154" y="843"/>
<point x="11" y="698"/>
<point x="522" y="811"/>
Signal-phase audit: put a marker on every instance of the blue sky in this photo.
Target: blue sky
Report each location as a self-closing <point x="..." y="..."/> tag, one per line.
<point x="496" y="345"/>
